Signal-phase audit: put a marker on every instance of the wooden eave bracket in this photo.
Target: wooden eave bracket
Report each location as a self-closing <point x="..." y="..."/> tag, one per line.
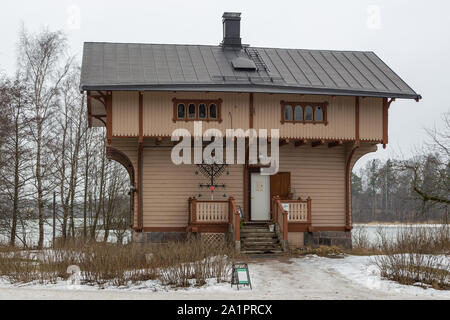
<point x="301" y="143"/>
<point x="318" y="143"/>
<point x="336" y="144"/>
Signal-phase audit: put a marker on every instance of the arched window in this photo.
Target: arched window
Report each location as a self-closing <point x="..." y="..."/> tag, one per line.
<point x="213" y="111"/>
<point x="298" y="114"/>
<point x="288" y="113"/>
<point x="318" y="114"/>
<point x="197" y="110"/>
<point x="304" y="112"/>
<point x="181" y="111"/>
<point x="192" y="111"/>
<point x="202" y="113"/>
<point x="308" y="113"/>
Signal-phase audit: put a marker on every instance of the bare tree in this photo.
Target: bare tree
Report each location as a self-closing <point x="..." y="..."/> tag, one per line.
<point x="15" y="174"/>
<point x="70" y="134"/>
<point x="43" y="63"/>
<point x="431" y="169"/>
<point x="415" y="189"/>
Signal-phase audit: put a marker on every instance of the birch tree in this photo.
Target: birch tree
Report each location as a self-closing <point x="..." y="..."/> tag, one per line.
<point x="44" y="64"/>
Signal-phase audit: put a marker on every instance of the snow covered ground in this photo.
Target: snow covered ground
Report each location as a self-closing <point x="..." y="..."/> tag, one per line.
<point x="311" y="277"/>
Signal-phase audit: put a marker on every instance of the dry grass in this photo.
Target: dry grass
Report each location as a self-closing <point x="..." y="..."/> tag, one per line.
<point x="176" y="264"/>
<point x="361" y="245"/>
<point x="418" y="255"/>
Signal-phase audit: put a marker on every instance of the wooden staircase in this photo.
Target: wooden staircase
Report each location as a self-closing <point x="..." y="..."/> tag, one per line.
<point x="256" y="238"/>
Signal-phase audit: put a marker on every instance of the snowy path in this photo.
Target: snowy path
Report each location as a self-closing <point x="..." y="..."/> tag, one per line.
<point x="300" y="278"/>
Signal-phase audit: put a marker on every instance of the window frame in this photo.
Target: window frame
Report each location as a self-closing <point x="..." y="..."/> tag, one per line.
<point x="313" y="105"/>
<point x="197" y="103"/>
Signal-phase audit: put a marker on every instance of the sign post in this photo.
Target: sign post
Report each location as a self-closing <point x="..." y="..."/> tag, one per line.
<point x="240" y="275"/>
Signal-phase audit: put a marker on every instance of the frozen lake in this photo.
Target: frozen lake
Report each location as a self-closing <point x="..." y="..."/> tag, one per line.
<point x="31" y="233"/>
<point x="372" y="231"/>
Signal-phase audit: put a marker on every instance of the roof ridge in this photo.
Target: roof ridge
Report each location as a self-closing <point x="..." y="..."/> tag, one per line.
<point x="219" y="46"/>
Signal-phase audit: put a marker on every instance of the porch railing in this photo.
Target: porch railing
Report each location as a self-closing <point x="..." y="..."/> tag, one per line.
<point x="210" y="212"/>
<point x="285" y="212"/>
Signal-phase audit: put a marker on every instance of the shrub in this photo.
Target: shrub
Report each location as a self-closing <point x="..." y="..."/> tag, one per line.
<point x="418" y="255"/>
<point x="179" y="264"/>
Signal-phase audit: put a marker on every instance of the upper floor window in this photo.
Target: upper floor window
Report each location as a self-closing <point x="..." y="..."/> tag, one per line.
<point x="304" y="112"/>
<point x="288" y="113"/>
<point x="298" y="113"/>
<point x="213" y="111"/>
<point x="197" y="110"/>
<point x="309" y="113"/>
<point x="181" y="111"/>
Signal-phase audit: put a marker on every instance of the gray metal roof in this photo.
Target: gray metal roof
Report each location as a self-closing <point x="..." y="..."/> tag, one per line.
<point x="165" y="67"/>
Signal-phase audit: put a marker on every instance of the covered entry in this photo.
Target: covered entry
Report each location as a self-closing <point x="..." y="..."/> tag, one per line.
<point x="262" y="189"/>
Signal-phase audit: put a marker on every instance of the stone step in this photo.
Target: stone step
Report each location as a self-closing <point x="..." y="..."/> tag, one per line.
<point x="245" y="230"/>
<point x="262" y="225"/>
<point x="261" y="247"/>
<point x="261" y="252"/>
<point x="259" y="235"/>
<point x="260" y="240"/>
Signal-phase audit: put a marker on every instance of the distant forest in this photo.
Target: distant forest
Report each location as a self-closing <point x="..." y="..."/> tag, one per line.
<point x="412" y="190"/>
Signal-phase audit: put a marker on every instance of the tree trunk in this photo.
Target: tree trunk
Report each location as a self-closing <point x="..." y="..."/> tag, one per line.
<point x="39" y="186"/>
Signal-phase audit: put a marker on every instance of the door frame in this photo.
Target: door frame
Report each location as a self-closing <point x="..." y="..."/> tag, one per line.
<point x="249" y="193"/>
<point x="248" y="189"/>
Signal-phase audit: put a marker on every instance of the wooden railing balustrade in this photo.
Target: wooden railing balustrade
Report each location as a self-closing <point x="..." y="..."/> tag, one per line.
<point x="210" y="212"/>
<point x="298" y="212"/>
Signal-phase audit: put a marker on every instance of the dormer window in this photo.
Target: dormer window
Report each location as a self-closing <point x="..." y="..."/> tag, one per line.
<point x="197" y="110"/>
<point x="304" y="112"/>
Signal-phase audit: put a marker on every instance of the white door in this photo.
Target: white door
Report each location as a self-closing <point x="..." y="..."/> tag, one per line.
<point x="260" y="197"/>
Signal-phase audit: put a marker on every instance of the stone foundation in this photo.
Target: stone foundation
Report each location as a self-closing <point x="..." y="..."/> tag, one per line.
<point x="158" y="237"/>
<point x="329" y="238"/>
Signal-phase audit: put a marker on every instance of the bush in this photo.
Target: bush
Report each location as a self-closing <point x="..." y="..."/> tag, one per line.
<point x="180" y="264"/>
<point x="418" y="255"/>
<point x="185" y="263"/>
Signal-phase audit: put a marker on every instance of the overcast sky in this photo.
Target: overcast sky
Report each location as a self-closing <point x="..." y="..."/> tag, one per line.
<point x="412" y="37"/>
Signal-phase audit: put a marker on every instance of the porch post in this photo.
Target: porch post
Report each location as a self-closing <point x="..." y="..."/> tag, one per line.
<point x="285" y="226"/>
<point x="194" y="210"/>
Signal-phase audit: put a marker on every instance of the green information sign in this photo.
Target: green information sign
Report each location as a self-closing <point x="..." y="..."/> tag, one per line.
<point x="240" y="275"/>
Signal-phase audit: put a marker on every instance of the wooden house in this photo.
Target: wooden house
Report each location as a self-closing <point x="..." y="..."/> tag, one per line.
<point x="330" y="107"/>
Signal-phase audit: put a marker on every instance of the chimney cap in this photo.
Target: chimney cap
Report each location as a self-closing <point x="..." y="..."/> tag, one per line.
<point x="231" y="16"/>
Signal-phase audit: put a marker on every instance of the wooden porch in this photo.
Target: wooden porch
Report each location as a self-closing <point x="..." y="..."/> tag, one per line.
<point x="223" y="216"/>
